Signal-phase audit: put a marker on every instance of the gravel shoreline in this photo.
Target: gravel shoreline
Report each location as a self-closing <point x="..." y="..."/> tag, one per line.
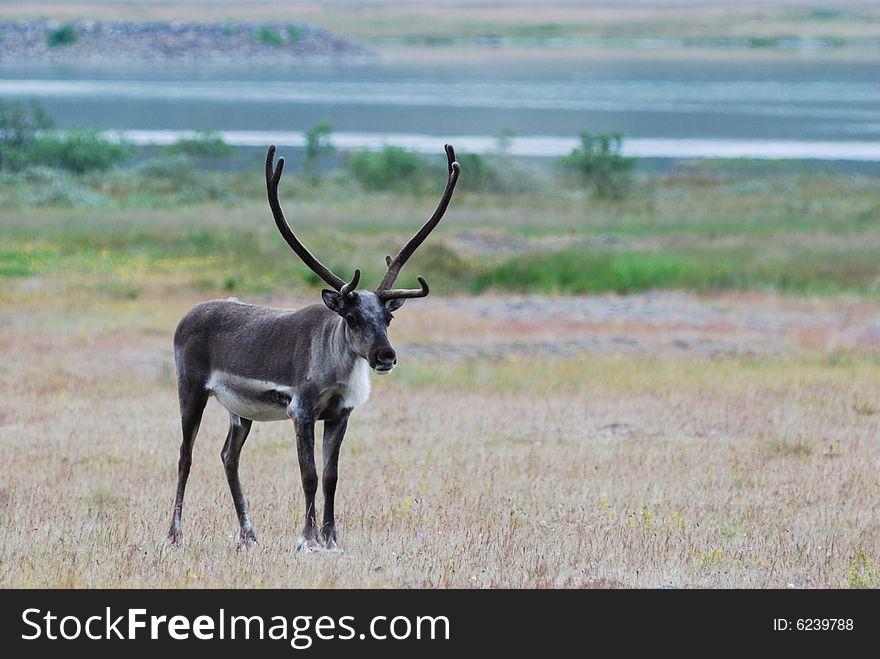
<point x="193" y="42"/>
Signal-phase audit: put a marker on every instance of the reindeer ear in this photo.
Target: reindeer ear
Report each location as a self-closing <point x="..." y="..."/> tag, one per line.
<point x="333" y="300"/>
<point x="395" y="303"/>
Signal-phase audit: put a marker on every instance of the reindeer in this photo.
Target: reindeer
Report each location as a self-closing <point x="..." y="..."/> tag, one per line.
<point x="311" y="364"/>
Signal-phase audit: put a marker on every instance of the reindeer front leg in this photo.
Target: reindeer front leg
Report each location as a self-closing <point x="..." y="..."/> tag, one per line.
<point x="334" y="432"/>
<point x="305" y="449"/>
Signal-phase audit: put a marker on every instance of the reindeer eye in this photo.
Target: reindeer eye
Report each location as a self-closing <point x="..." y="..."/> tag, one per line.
<point x="351" y="320"/>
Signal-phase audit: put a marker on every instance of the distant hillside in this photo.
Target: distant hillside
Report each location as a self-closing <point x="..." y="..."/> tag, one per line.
<point x="97" y="41"/>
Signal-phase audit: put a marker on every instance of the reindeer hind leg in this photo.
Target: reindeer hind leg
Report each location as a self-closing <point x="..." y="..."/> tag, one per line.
<point x="238" y="432"/>
<point x="192" y="405"/>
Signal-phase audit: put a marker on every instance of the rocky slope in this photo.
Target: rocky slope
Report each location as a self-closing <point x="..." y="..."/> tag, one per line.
<point x="97" y="41"/>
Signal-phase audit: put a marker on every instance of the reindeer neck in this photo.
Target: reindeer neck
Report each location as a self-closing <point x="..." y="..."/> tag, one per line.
<point x="345" y="358"/>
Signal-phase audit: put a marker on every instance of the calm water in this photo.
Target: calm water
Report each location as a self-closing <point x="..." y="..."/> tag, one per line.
<point x="799" y="108"/>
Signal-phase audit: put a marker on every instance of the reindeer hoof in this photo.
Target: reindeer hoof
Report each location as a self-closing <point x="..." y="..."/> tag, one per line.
<point x="246" y="542"/>
<point x="328" y="541"/>
<point x="307" y="545"/>
<point x="173" y="541"/>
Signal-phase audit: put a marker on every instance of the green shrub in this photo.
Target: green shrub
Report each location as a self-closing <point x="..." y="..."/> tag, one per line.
<point x="294" y="34"/>
<point x="392" y="168"/>
<point x="206" y="146"/>
<point x="77" y="151"/>
<point x="14" y="159"/>
<point x="482" y="175"/>
<point x="62" y="36"/>
<point x="19" y="126"/>
<point x="598" y="164"/>
<point x="25" y="141"/>
<point x="317" y="142"/>
<point x="269" y="36"/>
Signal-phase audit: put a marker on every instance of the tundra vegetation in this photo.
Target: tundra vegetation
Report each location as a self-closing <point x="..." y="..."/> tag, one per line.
<point x="725" y="434"/>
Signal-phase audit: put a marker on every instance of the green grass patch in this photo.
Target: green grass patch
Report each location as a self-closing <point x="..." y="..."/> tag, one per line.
<point x="595" y="271"/>
<point x="25" y="261"/>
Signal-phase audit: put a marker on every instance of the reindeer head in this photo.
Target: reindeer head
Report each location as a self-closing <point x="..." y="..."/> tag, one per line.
<point x="366" y="314"/>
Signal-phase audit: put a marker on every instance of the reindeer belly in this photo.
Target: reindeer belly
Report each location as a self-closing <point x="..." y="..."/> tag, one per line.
<point x="258" y="400"/>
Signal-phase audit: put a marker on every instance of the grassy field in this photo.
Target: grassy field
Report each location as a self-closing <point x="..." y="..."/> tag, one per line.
<point x="511" y="448"/>
<point x="508" y="468"/>
<point x="704" y="231"/>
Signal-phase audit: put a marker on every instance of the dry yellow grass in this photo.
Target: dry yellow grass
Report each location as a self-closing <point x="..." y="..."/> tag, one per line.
<point x="599" y="470"/>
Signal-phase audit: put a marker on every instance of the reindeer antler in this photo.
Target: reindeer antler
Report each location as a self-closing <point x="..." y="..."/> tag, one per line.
<point x="273" y="175"/>
<point x="384" y="290"/>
